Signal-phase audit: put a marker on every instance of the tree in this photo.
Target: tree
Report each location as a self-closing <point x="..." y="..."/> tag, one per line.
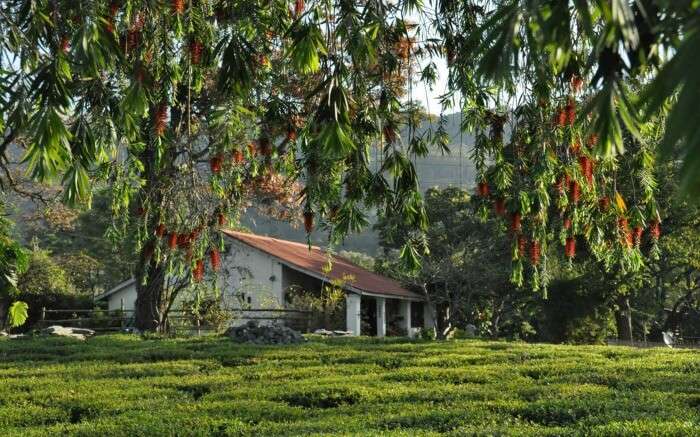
<point x="13" y="261"/>
<point x="195" y="110"/>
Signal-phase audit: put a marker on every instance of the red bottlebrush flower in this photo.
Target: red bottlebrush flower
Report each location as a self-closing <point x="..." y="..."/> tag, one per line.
<point x="183" y="241"/>
<point x="559" y="185"/>
<point x="221" y="219"/>
<point x="561" y="118"/>
<point x="499" y="205"/>
<point x="522" y="245"/>
<point x="604" y="203"/>
<point x="571" y="112"/>
<point x="574" y="192"/>
<point x="567" y="223"/>
<point x="291" y="135"/>
<point x="515" y="222"/>
<point x="133" y="36"/>
<point x="265" y="146"/>
<point x="308" y="221"/>
<point x="298" y="8"/>
<point x="109" y="27"/>
<point x="570" y="247"/>
<point x="198" y="271"/>
<point x="140" y="211"/>
<point x="215" y="260"/>
<point x="160" y="230"/>
<point x="637" y="233"/>
<point x="172" y="240"/>
<point x="592" y="140"/>
<point x="576" y="83"/>
<point x="215" y="164"/>
<point x="482" y="189"/>
<point x="160" y="119"/>
<point x="623" y="224"/>
<point x="535" y="251"/>
<point x="237" y="156"/>
<point x="178" y="6"/>
<point x="655" y="229"/>
<point x="196" y="48"/>
<point x="586" y="165"/>
<point x="114" y="9"/>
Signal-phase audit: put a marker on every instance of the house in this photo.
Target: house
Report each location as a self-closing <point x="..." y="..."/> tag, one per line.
<point x="259" y="272"/>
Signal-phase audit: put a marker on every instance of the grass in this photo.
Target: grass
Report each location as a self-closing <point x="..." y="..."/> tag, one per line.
<point x="125" y="385"/>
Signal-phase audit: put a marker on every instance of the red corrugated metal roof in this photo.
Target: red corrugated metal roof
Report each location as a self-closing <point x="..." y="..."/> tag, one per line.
<point x="315" y="259"/>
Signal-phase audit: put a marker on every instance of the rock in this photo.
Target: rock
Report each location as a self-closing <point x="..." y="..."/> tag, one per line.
<point x="342" y="333"/>
<point x="252" y="332"/>
<point x="61" y="331"/>
<point x="3" y="334"/>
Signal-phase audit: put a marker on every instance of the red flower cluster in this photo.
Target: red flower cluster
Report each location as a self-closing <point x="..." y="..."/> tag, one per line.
<point x="522" y="245"/>
<point x="482" y="189"/>
<point x="535" y="252"/>
<point x="160" y="119"/>
<point x="172" y="240"/>
<point x="160" y="230"/>
<point x="586" y="165"/>
<point x="215" y="257"/>
<point x="637" y="233"/>
<point x="198" y="271"/>
<point x="308" y="221"/>
<point x="215" y="164"/>
<point x="178" y="6"/>
<point x="237" y="156"/>
<point x="574" y="192"/>
<point x="298" y="8"/>
<point x="655" y="230"/>
<point x="499" y="206"/>
<point x="604" y="203"/>
<point x="196" y="48"/>
<point x="570" y="247"/>
<point x="221" y="219"/>
<point x="515" y="222"/>
<point x="623" y="225"/>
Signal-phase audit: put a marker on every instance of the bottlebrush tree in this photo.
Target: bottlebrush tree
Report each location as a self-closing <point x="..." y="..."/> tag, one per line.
<point x="194" y="110"/>
<point x="560" y="147"/>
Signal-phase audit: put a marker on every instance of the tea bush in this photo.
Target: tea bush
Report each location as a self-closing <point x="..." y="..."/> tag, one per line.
<point x="118" y="385"/>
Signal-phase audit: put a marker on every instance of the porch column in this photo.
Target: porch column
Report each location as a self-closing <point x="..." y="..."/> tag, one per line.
<point x="352" y="313"/>
<point x="405" y="313"/>
<point x="429" y="317"/>
<point x="381" y="316"/>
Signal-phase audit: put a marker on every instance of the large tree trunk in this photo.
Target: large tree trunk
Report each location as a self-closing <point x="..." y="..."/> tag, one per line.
<point x="623" y="318"/>
<point x="151" y="308"/>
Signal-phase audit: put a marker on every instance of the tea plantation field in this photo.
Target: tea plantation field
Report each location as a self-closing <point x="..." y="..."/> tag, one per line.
<point x="125" y="385"/>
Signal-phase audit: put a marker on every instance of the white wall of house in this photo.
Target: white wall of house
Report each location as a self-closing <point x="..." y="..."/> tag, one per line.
<point x="127" y="295"/>
<point x="250" y="278"/>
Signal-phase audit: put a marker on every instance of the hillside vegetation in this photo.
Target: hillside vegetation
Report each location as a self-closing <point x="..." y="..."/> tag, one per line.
<point x="125" y="385"/>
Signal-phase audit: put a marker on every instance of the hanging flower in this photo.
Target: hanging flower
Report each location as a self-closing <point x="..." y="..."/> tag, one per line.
<point x="575" y="147"/>
<point x="499" y="206"/>
<point x="570" y="247"/>
<point x="482" y="189"/>
<point x="561" y="117"/>
<point x="160" y="119"/>
<point x="637" y="233"/>
<point x="535" y="252"/>
<point x="172" y="240"/>
<point x="291" y="135"/>
<point x="215" y="164"/>
<point x="515" y="222"/>
<point x="570" y="110"/>
<point x="567" y="223"/>
<point x="592" y="140"/>
<point x="655" y="229"/>
<point x="160" y="230"/>
<point x="237" y="156"/>
<point x="576" y="83"/>
<point x="196" y="52"/>
<point x="298" y="8"/>
<point x="215" y="260"/>
<point x="604" y="203"/>
<point x="198" y="271"/>
<point x="308" y="221"/>
<point x="178" y="6"/>
<point x="574" y="192"/>
<point x="221" y="219"/>
<point x="586" y="165"/>
<point x="522" y="245"/>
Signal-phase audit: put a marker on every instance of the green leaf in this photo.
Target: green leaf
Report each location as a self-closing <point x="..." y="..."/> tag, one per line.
<point x="18" y="313"/>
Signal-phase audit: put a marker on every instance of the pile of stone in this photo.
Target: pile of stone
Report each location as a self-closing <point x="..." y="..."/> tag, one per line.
<point x="62" y="331"/>
<point x="327" y="333"/>
<point x="252" y="332"/>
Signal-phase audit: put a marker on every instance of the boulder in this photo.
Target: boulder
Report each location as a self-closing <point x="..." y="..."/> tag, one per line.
<point x="62" y="331"/>
<point x="252" y="332"/>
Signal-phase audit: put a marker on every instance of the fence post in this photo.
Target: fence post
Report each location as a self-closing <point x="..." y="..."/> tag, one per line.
<point x="123" y="315"/>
